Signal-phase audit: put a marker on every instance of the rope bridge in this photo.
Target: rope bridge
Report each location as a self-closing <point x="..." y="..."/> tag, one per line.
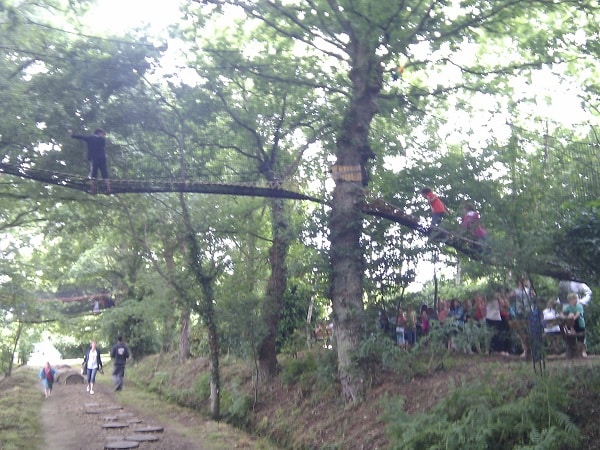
<point x="273" y="189"/>
<point x="377" y="207"/>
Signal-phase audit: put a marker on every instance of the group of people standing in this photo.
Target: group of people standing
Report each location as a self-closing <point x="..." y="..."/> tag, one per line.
<point x="92" y="364"/>
<point x="509" y="315"/>
<point x="410" y="326"/>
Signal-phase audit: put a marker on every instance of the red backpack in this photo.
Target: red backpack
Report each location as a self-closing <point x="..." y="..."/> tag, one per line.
<point x="49" y="375"/>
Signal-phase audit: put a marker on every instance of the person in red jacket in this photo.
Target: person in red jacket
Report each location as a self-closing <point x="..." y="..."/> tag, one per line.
<point x="438" y="209"/>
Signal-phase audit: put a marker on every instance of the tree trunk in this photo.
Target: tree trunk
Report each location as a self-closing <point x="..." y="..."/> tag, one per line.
<point x="213" y="346"/>
<point x="184" y="335"/>
<point x="353" y="152"/>
<point x="206" y="307"/>
<point x="267" y="349"/>
<point x="14" y="349"/>
<point x="347" y="286"/>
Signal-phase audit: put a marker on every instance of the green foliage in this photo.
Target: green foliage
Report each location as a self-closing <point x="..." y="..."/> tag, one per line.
<point x="488" y="414"/>
<point x="377" y="354"/>
<point x="202" y="386"/>
<point x="294" y="343"/>
<point x="133" y="322"/>
<point x="297" y="369"/>
<point x="236" y="406"/>
<point x="468" y="337"/>
<point x="293" y="315"/>
<point x="158" y="381"/>
<point x="578" y="239"/>
<point x="312" y="371"/>
<point x="592" y="323"/>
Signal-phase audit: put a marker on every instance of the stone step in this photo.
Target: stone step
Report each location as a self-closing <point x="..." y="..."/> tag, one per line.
<point x="121" y="445"/>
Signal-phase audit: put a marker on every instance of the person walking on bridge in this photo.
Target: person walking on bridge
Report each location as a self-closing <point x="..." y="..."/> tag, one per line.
<point x="96" y="152"/>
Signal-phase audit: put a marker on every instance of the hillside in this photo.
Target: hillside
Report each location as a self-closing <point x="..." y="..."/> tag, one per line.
<point x="302" y="407"/>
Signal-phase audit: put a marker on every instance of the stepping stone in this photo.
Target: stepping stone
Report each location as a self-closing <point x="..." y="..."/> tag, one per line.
<point x="142" y="437"/>
<point x="134" y="420"/>
<point x="115" y="425"/>
<point x="93" y="411"/>
<point x="113" y="408"/>
<point x="121" y="445"/>
<point x="149" y="429"/>
<point x="110" y="418"/>
<point x="92" y="405"/>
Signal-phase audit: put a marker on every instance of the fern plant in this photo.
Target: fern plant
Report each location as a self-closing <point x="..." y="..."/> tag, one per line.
<point x="493" y="415"/>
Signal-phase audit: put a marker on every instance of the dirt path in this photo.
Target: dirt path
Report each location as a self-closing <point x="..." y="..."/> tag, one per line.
<point x="72" y="419"/>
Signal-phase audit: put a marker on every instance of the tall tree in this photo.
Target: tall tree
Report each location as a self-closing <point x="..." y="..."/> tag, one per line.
<point x="357" y="40"/>
<point x="268" y="126"/>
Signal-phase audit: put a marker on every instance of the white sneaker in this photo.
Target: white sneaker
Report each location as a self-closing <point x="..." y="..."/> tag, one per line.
<point x="91" y="392"/>
<point x="87" y="388"/>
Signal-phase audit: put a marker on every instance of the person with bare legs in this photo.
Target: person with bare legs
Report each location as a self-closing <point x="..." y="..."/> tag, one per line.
<point x="48" y="375"/>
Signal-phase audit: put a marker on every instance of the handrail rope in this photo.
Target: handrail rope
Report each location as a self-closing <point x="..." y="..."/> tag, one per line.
<point x="260" y="188"/>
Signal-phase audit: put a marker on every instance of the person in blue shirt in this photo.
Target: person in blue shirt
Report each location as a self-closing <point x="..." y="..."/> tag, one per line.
<point x="48" y="375"/>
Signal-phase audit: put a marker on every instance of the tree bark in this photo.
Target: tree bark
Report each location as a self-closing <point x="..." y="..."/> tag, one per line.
<point x="208" y="301"/>
<point x="347" y="286"/>
<point x="184" y="335"/>
<point x="267" y="349"/>
<point x="346" y="224"/>
<point x="206" y="307"/>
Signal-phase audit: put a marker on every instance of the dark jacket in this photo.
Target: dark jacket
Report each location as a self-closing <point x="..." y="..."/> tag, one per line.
<point x="120" y="353"/>
<point x="96" y="145"/>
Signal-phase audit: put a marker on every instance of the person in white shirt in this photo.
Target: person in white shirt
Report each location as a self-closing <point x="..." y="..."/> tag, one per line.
<point x="581" y="289"/>
<point x="92" y="364"/>
<point x="550" y="314"/>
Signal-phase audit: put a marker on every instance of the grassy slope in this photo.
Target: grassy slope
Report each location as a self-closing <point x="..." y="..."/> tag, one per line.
<point x="20" y="401"/>
<point x="302" y="408"/>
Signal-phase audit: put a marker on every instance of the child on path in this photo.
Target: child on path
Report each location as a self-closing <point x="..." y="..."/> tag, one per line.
<point x="48" y="375"/>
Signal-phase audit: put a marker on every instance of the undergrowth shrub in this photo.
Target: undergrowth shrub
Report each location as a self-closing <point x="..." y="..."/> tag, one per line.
<point x="314" y="371"/>
<point x="236" y="407"/>
<point x="378" y="354"/>
<point x="487" y="415"/>
<point x="158" y="381"/>
<point x="296" y="369"/>
<point x="202" y="386"/>
<point x="326" y="372"/>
